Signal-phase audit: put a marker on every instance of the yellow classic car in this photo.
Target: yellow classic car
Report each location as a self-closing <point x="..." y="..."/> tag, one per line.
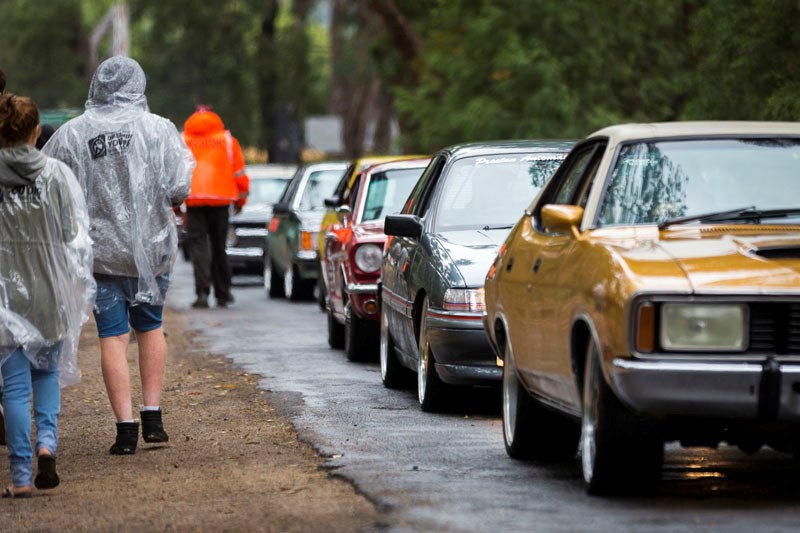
<point x="651" y="293"/>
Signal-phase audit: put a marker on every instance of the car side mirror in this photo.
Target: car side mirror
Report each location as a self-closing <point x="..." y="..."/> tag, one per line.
<point x="557" y="218"/>
<point x="332" y="202"/>
<point x="342" y="213"/>
<point x="280" y="208"/>
<point x="403" y="226"/>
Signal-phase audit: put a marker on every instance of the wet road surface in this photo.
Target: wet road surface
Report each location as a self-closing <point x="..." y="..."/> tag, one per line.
<point x="449" y="472"/>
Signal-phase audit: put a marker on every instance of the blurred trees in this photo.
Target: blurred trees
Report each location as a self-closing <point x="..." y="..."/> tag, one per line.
<point x="448" y="70"/>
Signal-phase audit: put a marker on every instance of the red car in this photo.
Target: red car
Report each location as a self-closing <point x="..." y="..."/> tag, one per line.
<point x="353" y="252"/>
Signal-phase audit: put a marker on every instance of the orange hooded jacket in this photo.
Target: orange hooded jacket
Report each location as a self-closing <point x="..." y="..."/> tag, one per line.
<point x="219" y="177"/>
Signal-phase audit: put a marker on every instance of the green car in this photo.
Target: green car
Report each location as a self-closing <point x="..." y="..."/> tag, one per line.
<point x="291" y="262"/>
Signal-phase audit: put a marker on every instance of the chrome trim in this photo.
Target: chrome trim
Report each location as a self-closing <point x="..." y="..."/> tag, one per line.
<point x="691" y="389"/>
<point x="306" y="255"/>
<point x="362" y="288"/>
<point x="397" y="302"/>
<point x="245" y="252"/>
<point x="454" y="320"/>
<point x="250" y="232"/>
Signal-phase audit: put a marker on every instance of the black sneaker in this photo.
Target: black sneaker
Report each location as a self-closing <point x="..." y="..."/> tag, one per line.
<point x="152" y="427"/>
<point x="224" y="301"/>
<point x="127" y="437"/>
<point x="201" y="302"/>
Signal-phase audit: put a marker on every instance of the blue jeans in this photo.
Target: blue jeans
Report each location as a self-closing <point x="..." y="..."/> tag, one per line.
<point x="19" y="380"/>
<point x="115" y="306"/>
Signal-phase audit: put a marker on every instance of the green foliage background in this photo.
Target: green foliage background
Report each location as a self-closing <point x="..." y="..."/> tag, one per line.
<point x="487" y="69"/>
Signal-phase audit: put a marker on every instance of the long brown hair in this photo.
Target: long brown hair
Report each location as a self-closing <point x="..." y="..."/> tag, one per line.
<point x="18" y="119"/>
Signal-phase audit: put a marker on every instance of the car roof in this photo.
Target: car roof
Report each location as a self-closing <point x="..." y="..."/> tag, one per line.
<point x="624" y="132"/>
<point x="363" y="162"/>
<point x="399" y="165"/>
<point x="270" y="170"/>
<point x="509" y="146"/>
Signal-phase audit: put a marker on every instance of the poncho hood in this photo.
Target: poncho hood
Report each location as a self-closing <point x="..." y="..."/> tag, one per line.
<point x="20" y="165"/>
<point x="118" y="81"/>
<point x="203" y="123"/>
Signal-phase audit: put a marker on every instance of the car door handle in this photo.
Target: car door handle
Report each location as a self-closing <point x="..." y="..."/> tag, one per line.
<point x="510" y="264"/>
<point x="537" y="264"/>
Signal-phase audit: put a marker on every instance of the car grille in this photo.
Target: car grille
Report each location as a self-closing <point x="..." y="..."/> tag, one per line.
<point x="775" y="328"/>
<point x="249" y="235"/>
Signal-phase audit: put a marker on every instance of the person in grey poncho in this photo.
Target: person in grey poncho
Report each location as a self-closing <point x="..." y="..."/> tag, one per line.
<point x="133" y="167"/>
<point x="46" y="288"/>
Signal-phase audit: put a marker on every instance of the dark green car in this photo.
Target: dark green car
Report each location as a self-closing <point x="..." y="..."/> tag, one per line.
<point x="439" y="251"/>
<point x="291" y="262"/>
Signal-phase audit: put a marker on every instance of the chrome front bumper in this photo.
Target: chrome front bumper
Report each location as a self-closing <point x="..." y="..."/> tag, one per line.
<point x="746" y="391"/>
<point x="362" y="288"/>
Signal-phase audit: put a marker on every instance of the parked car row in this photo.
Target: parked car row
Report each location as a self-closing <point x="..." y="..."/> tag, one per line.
<point x="638" y="287"/>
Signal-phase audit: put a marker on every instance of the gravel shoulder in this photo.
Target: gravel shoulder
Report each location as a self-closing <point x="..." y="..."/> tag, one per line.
<point x="233" y="462"/>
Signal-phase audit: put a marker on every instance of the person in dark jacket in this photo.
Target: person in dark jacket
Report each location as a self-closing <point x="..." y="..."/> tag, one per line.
<point x="133" y="167"/>
<point x="45" y="291"/>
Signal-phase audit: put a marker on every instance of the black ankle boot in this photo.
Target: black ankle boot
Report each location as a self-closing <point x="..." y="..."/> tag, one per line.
<point x="127" y="437"/>
<point x="152" y="427"/>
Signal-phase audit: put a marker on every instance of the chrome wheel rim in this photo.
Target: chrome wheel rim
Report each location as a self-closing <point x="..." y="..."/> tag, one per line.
<point x="288" y="282"/>
<point x="384" y="345"/>
<point x="589" y="416"/>
<point x="422" y="360"/>
<point x="510" y="392"/>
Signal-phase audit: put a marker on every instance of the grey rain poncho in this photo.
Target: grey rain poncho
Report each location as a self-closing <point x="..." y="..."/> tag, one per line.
<point x="133" y="167"/>
<point x="46" y="283"/>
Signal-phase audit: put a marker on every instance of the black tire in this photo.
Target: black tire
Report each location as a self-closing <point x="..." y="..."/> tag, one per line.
<point x="361" y="341"/>
<point x="621" y="453"/>
<point x="335" y="332"/>
<point x="273" y="281"/>
<point x="432" y="392"/>
<point x="296" y="288"/>
<point x="531" y="431"/>
<point x="321" y="293"/>
<point x="393" y="374"/>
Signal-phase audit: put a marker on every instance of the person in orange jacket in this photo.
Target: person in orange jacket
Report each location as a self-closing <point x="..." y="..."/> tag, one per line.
<point x="219" y="181"/>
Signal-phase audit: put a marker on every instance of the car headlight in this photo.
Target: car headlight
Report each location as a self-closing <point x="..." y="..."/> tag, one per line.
<point x="471" y="300"/>
<point x="711" y="327"/>
<point x="368" y="258"/>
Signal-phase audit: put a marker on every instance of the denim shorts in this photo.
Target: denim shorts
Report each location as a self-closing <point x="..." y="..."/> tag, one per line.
<point x="116" y="306"/>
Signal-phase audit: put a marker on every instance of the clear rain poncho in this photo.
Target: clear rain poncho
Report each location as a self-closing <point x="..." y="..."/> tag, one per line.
<point x="46" y="283"/>
<point x="133" y="167"/>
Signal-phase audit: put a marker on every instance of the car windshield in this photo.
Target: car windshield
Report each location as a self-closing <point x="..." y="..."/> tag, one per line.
<point x="388" y="192"/>
<point x="320" y="185"/>
<point x="266" y="190"/>
<point x="656" y="182"/>
<point x="492" y="191"/>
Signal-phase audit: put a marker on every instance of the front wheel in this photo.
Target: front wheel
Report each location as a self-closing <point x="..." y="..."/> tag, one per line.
<point x="431" y="390"/>
<point x="335" y="332"/>
<point x="531" y="431"/>
<point x="620" y="451"/>
<point x="273" y="282"/>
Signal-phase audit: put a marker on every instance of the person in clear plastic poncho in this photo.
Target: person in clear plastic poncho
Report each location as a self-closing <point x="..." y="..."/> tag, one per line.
<point x="46" y="288"/>
<point x="133" y="167"/>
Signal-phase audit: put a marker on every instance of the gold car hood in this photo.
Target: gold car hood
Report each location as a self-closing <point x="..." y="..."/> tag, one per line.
<point x="711" y="259"/>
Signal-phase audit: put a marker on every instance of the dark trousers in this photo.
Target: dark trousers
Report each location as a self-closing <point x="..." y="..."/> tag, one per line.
<point x="206" y="231"/>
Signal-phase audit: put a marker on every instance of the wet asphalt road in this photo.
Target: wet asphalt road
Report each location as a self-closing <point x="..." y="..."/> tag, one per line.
<point x="450" y="472"/>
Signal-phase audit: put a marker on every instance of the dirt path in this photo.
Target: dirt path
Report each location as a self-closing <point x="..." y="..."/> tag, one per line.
<point x="232" y="463"/>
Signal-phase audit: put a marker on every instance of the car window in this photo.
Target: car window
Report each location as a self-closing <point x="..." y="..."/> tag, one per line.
<point x="352" y="194"/>
<point x="266" y="190"/>
<point x="652" y="182"/>
<point x="433" y="168"/>
<point x="491" y="190"/>
<point x="569" y="185"/>
<point x="387" y="191"/>
<point x="320" y="185"/>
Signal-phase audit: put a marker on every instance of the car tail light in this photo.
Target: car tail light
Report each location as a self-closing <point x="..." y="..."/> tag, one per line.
<point x="274" y="224"/>
<point x="307" y="240"/>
